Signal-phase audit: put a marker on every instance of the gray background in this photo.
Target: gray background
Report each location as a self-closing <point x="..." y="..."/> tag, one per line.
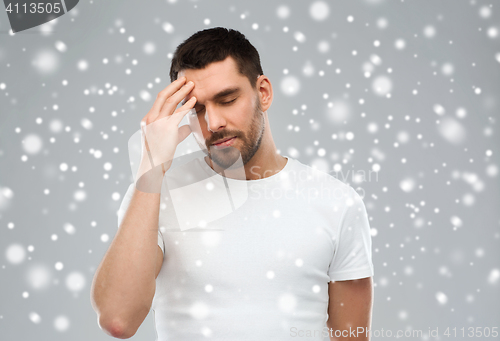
<point x="423" y="116"/>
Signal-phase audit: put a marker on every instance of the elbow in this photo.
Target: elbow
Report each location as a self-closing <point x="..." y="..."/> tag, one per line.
<point x="115" y="328"/>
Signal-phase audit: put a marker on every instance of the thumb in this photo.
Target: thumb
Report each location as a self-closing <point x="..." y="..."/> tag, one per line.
<point x="184" y="132"/>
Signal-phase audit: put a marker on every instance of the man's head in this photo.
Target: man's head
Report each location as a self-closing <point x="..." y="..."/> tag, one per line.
<point x="231" y="92"/>
<point x="215" y="45"/>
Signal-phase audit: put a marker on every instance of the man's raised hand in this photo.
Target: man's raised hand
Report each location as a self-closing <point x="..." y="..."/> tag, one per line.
<point x="161" y="134"/>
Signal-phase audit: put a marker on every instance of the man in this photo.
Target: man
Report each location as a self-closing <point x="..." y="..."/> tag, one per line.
<point x="290" y="258"/>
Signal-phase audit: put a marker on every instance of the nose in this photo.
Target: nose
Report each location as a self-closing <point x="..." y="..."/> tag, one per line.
<point x="214" y="119"/>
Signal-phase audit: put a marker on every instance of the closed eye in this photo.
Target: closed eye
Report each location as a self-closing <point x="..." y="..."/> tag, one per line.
<point x="224" y="103"/>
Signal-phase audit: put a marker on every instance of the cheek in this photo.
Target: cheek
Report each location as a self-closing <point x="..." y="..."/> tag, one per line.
<point x="243" y="113"/>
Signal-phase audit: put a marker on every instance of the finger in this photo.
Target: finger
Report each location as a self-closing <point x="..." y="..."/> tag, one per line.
<point x="184" y="109"/>
<point x="188" y="105"/>
<point x="162" y="97"/>
<point x="184" y="132"/>
<point x="177" y="117"/>
<point x="173" y="101"/>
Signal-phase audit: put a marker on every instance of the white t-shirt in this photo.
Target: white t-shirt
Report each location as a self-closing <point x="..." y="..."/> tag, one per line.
<point x="260" y="269"/>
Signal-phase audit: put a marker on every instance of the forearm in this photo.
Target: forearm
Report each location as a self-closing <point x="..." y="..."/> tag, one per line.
<point x="124" y="283"/>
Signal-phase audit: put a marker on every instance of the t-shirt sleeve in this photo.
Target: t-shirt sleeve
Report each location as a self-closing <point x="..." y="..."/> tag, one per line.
<point x="123" y="208"/>
<point x="352" y="258"/>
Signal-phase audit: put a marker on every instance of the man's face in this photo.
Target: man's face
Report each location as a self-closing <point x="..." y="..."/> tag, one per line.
<point x="226" y="106"/>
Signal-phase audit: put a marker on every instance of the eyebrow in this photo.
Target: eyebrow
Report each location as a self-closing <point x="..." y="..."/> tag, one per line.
<point x="222" y="93"/>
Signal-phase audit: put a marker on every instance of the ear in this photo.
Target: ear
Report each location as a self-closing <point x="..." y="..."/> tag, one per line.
<point x="265" y="90"/>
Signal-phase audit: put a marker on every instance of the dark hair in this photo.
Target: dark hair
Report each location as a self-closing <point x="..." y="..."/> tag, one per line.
<point x="213" y="45"/>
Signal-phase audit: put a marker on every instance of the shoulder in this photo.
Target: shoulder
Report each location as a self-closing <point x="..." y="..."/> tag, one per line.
<point x="325" y="190"/>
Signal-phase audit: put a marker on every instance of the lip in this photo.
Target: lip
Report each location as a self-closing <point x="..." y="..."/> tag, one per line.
<point x="225" y="143"/>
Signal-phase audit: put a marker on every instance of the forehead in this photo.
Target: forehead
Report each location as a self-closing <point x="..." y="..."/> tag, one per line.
<point x="226" y="67"/>
<point x="214" y="78"/>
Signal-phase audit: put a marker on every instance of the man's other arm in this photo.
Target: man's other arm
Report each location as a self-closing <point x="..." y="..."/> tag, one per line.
<point x="350" y="307"/>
